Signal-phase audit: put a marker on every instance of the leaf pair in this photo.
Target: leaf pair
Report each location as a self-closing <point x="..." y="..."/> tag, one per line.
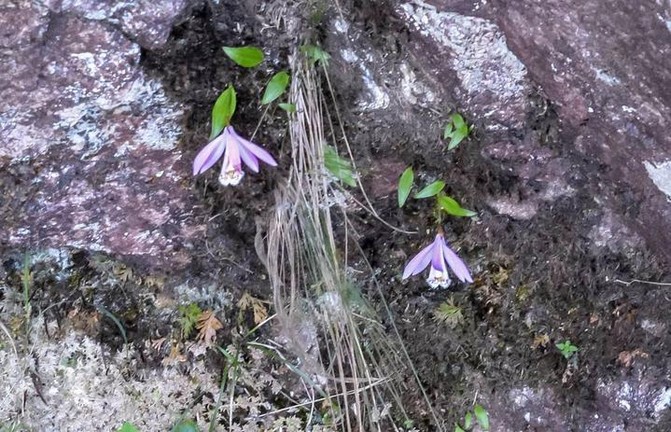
<point x="224" y="107"/>
<point x="456" y="130"/>
<point x="481" y="416"/>
<point x="250" y="57"/>
<point x="405" y="185"/>
<point x="446" y="203"/>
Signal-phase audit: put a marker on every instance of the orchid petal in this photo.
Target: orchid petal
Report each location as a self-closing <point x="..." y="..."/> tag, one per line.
<point x="249" y="159"/>
<point x="209" y="155"/>
<point x="437" y="260"/>
<point x="456" y="264"/>
<point x="419" y="262"/>
<point x="233" y="153"/>
<point x="254" y="149"/>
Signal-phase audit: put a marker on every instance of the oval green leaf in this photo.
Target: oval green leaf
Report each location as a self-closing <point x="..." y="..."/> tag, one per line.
<point x="431" y="190"/>
<point x="458" y="428"/>
<point x="481" y="416"/>
<point x="248" y="57"/>
<point x="450" y="206"/>
<point x="458" y="121"/>
<point x="276" y="86"/>
<point x="404" y="185"/>
<point x="468" y="420"/>
<point x="223" y="110"/>
<point x="290" y="108"/>
<point x="128" y="427"/>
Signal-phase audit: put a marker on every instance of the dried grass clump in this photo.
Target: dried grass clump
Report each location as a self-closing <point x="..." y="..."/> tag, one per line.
<point x="353" y="367"/>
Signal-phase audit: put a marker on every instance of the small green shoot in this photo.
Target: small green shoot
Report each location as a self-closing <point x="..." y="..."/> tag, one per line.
<point x="288" y="107"/>
<point x="338" y="167"/>
<point x="405" y="185"/>
<point x="431" y="190"/>
<point x="481" y="416"/>
<point x="567" y="349"/>
<point x="316" y="55"/>
<point x="128" y="427"/>
<point x="185" y="426"/>
<point x="468" y="420"/>
<point x="188" y="318"/>
<point x="276" y="86"/>
<point x="248" y="57"/>
<point x="223" y="110"/>
<point x="450" y="206"/>
<point x="456" y="130"/>
<point x="408" y="424"/>
<point x="450" y="314"/>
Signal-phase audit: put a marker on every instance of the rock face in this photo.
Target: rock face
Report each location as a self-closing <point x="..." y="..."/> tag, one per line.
<point x="570" y="171"/>
<point x="88" y="156"/>
<point x="604" y="68"/>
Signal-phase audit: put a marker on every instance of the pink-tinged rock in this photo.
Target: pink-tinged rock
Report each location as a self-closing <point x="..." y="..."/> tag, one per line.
<point x="146" y="22"/>
<point x="89" y="155"/>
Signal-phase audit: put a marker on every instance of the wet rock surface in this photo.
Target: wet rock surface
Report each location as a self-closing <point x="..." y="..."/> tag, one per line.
<point x="105" y="104"/>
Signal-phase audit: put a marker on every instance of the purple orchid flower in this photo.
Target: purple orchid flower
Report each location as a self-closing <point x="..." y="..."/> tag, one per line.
<point x="235" y="150"/>
<point x="440" y="256"/>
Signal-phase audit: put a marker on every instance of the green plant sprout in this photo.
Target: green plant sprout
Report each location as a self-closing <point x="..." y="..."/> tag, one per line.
<point x="456" y="130"/>
<point x="128" y="427"/>
<point x="567" y="349"/>
<point x="316" y="55"/>
<point x="338" y="167"/>
<point x="481" y="416"/>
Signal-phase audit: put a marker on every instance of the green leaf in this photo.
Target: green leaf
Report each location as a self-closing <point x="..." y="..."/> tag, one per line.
<point x="447" y="132"/>
<point x="456" y="130"/>
<point x="276" y="86"/>
<point x="451" y="206"/>
<point x="127" y="427"/>
<point x="339" y="167"/>
<point x="468" y="420"/>
<point x="185" y="426"/>
<point x="248" y="57"/>
<point x="223" y="111"/>
<point x="404" y="186"/>
<point x="431" y="190"/>
<point x="457" y="428"/>
<point x="481" y="416"/>
<point x="458" y="121"/>
<point x="316" y="54"/>
<point x="290" y="108"/>
<point x="457" y="137"/>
